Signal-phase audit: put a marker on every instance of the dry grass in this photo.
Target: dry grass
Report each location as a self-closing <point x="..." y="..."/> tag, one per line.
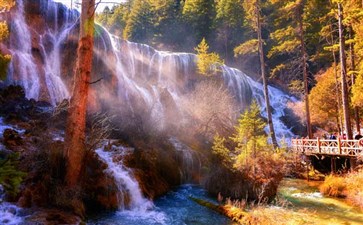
<point x="354" y="182"/>
<point x="349" y="186"/>
<point x="263" y="214"/>
<point x="334" y="186"/>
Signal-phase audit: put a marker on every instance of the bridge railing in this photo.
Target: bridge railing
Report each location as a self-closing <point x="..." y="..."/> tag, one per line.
<point x="318" y="146"/>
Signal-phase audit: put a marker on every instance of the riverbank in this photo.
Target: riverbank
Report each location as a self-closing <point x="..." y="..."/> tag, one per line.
<point x="348" y="186"/>
<point x="300" y="202"/>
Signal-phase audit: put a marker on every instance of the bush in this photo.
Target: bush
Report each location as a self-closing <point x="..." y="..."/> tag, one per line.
<point x="354" y="188"/>
<point x="10" y="176"/>
<point x="333" y="186"/>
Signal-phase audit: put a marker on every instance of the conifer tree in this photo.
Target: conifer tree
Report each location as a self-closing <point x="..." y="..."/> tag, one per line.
<point x="229" y="25"/>
<point x="199" y="15"/>
<point x="249" y="135"/>
<point x="253" y="15"/>
<point x="139" y="22"/>
<point x="207" y="63"/>
<point x="290" y="40"/>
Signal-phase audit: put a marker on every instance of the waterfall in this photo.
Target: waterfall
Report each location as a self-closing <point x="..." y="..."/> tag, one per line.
<point x="126" y="183"/>
<point x="190" y="162"/>
<point x="25" y="68"/>
<point x="135" y="76"/>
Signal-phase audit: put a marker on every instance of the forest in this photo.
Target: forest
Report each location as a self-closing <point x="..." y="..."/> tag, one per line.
<point x="181" y="112"/>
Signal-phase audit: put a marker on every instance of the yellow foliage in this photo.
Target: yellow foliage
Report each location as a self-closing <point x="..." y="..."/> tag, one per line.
<point x="207" y="63"/>
<point x="357" y="90"/>
<point x="323" y="100"/>
<point x="333" y="186"/>
<point x="250" y="46"/>
<point x="4" y="31"/>
<point x="349" y="186"/>
<point x="5" y="5"/>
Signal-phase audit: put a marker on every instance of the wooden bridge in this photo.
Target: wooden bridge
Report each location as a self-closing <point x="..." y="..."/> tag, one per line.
<point x="338" y="147"/>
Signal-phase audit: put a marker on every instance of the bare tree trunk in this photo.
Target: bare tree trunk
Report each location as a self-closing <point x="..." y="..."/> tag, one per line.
<point x="352" y="68"/>
<point x="74" y="144"/>
<point x="263" y="74"/>
<point x="305" y="72"/>
<point x="343" y="69"/>
<point x="337" y="89"/>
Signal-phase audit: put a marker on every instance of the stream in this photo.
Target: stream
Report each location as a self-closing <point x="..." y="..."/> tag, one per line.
<point x="304" y="205"/>
<point x="175" y="208"/>
<point x="308" y="206"/>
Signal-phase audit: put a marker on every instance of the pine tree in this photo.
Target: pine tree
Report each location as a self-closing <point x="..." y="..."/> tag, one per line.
<point x="249" y="136"/>
<point x="199" y="15"/>
<point x="207" y="63"/>
<point x="290" y="40"/>
<point x="253" y="15"/>
<point x="229" y="25"/>
<point x="221" y="151"/>
<point x="139" y="22"/>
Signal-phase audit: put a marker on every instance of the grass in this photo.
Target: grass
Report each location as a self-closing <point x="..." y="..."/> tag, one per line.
<point x="348" y="186"/>
<point x="334" y="186"/>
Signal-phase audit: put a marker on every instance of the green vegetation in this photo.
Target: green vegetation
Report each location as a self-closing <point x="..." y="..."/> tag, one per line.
<point x="249" y="139"/>
<point x="10" y="176"/>
<point x="245" y="164"/>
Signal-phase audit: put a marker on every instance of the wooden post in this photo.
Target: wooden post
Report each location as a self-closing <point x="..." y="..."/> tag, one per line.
<point x="339" y="146"/>
<point x="318" y="144"/>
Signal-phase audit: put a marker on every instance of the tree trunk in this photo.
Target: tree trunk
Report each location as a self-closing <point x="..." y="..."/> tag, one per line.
<point x="343" y="69"/>
<point x="74" y="144"/>
<point x="263" y="74"/>
<point x="305" y="71"/>
<point x="352" y="68"/>
<point x="337" y="89"/>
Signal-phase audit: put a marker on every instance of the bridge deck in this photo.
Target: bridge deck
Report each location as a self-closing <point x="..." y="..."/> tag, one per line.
<point x="339" y="147"/>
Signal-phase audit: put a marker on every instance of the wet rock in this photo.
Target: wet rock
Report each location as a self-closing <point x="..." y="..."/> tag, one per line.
<point x="11" y="137"/>
<point x="15" y="108"/>
<point x="102" y="192"/>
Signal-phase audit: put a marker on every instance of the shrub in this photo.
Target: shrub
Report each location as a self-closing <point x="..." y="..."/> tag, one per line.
<point x="333" y="186"/>
<point x="10" y="176"/>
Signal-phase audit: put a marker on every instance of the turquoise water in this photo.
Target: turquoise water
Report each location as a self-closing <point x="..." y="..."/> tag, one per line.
<point x="175" y="208"/>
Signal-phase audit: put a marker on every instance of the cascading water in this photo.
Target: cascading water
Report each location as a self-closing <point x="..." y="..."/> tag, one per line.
<point x="39" y="81"/>
<point x="125" y="181"/>
<point x="145" y="78"/>
<point x="190" y="162"/>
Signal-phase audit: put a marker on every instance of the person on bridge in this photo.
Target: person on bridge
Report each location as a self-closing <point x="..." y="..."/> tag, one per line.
<point x="358" y="136"/>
